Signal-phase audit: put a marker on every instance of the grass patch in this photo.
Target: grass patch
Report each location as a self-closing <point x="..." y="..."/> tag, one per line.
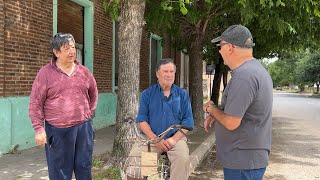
<point x="108" y="173"/>
<point x="315" y="95"/>
<point x="102" y="168"/>
<point x="292" y="90"/>
<point x="96" y="163"/>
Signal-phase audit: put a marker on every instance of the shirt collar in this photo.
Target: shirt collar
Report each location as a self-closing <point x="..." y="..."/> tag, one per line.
<point x="173" y="88"/>
<point x="54" y="62"/>
<point x="235" y="70"/>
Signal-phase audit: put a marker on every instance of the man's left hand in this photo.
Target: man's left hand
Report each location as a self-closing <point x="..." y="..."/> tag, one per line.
<point x="206" y="105"/>
<point x="208" y="122"/>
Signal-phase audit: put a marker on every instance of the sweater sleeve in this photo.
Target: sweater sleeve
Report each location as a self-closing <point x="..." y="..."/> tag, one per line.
<point x="37" y="99"/>
<point x="93" y="93"/>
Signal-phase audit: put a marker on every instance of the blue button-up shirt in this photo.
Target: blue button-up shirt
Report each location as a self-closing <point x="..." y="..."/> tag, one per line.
<point x="160" y="112"/>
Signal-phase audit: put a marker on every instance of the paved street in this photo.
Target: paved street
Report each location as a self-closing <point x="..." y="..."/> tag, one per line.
<point x="296" y="138"/>
<point x="297" y="107"/>
<point x="295" y="153"/>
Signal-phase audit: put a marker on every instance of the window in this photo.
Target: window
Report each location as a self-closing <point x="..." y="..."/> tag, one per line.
<point x="79" y="53"/>
<point x="155" y="57"/>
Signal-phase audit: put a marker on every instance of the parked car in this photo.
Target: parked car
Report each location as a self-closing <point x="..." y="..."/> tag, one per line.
<point x="279" y="88"/>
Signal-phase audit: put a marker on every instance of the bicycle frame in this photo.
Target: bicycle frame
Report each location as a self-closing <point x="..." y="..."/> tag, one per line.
<point x="132" y="163"/>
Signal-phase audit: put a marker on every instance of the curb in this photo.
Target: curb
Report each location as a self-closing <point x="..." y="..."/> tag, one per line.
<point x="198" y="154"/>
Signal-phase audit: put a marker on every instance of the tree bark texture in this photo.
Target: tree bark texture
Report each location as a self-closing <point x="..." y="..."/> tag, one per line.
<point x="218" y="72"/>
<point x="195" y="79"/>
<point x="131" y="22"/>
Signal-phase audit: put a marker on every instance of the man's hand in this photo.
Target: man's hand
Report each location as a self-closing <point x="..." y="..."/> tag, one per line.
<point x="41" y="139"/>
<point x="208" y="122"/>
<point x="166" y="145"/>
<point x="206" y="105"/>
<point x="163" y="146"/>
<point x="171" y="142"/>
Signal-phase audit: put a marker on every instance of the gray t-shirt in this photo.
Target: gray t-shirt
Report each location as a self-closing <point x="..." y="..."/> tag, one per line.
<point x="248" y="95"/>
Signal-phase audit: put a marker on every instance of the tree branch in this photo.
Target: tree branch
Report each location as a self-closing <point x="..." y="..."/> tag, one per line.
<point x="198" y="23"/>
<point x="204" y="28"/>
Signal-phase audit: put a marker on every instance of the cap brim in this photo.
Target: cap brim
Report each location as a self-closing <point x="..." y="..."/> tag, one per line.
<point x="216" y="39"/>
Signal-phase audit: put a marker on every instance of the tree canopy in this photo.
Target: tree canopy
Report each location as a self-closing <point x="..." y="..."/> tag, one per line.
<point x="278" y="27"/>
<point x="282" y="72"/>
<point x="307" y="71"/>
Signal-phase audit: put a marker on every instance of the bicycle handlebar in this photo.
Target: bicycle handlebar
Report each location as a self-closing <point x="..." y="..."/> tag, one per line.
<point x="160" y="136"/>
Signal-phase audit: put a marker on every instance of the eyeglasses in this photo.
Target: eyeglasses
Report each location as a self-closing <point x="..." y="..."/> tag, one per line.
<point x="220" y="45"/>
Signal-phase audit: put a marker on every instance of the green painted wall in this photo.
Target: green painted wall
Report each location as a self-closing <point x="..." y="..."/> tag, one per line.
<point x="21" y="128"/>
<point x="16" y="127"/>
<point x="5" y="127"/>
<point x="106" y="111"/>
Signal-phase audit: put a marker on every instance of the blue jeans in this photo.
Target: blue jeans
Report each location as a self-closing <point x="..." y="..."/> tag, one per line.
<point x="240" y="174"/>
<point x="69" y="150"/>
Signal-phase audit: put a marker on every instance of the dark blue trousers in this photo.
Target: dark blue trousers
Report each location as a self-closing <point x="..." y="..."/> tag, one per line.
<point x="69" y="150"/>
<point x="240" y="174"/>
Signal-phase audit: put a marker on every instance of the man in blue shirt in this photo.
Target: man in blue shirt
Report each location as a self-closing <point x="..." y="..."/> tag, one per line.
<point x="162" y="105"/>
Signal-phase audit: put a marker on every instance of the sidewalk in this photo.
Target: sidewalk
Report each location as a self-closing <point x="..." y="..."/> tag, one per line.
<point x="31" y="164"/>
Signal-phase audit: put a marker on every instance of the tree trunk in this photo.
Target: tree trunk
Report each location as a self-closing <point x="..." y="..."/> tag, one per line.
<point x="215" y="93"/>
<point x="225" y="77"/>
<point x="195" y="79"/>
<point x="317" y="88"/>
<point x="130" y="31"/>
<point x="301" y="86"/>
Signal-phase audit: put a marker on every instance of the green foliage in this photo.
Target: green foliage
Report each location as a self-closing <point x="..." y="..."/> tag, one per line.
<point x="183" y="9"/>
<point x="97" y="163"/>
<point x="281" y="27"/>
<point x="308" y="69"/>
<point x="111" y="7"/>
<point x="165" y="5"/>
<point x="282" y="72"/>
<point x="278" y="26"/>
<point x="301" y="68"/>
<point x="280" y="3"/>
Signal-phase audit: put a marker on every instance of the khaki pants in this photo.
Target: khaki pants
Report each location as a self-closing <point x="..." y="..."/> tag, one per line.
<point x="178" y="156"/>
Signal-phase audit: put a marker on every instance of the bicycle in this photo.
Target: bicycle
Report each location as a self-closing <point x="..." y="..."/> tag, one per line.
<point x="150" y="167"/>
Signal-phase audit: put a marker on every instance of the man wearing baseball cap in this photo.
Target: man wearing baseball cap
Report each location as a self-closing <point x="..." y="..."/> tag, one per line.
<point x="244" y="119"/>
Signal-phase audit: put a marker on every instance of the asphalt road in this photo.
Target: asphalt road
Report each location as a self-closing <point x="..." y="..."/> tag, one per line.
<point x="295" y="153"/>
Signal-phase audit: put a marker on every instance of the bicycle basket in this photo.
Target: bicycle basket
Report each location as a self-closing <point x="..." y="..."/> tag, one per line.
<point x="132" y="168"/>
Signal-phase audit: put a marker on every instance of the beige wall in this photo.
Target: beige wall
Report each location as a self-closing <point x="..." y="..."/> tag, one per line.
<point x="206" y="82"/>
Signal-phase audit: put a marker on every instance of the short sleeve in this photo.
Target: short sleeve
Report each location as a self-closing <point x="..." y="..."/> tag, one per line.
<point x="240" y="96"/>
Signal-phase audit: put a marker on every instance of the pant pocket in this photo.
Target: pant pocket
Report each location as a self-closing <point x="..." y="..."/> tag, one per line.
<point x="50" y="141"/>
